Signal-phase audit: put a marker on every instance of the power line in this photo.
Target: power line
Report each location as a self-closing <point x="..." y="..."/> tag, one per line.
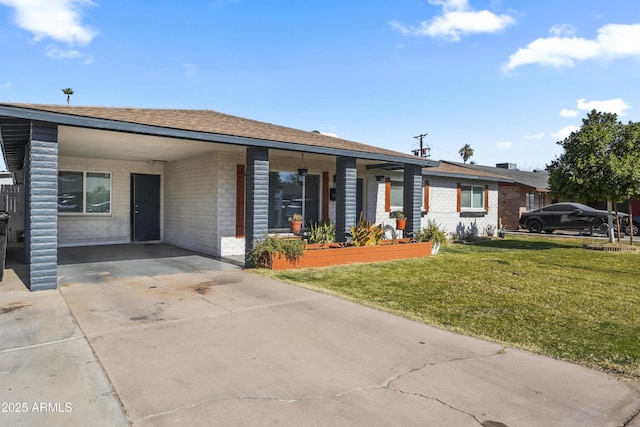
<point x="422" y="151"/>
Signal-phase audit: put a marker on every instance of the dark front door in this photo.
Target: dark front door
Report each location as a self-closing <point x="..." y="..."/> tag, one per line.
<point x="145" y="207"/>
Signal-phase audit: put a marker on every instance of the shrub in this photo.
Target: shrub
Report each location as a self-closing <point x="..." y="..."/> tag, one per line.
<point x="262" y="251"/>
<point x="432" y="232"/>
<point x="323" y="233"/>
<point x="366" y="234"/>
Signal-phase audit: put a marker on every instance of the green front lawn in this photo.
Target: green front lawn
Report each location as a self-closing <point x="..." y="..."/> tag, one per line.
<point x="547" y="295"/>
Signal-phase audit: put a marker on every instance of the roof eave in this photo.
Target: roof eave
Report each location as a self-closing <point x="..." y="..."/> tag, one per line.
<point x="128" y="127"/>
<point x="427" y="172"/>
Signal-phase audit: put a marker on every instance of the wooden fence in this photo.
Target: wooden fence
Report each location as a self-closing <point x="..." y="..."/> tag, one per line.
<point x="12" y="201"/>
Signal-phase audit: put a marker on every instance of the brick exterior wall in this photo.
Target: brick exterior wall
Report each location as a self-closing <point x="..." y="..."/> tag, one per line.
<point x="443" y="206"/>
<point x="512" y="202"/>
<point x="190" y="203"/>
<point x="257" y="197"/>
<point x="346" y="180"/>
<point x="41" y="207"/>
<point x="83" y="230"/>
<point x="227" y="243"/>
<point x="412" y="197"/>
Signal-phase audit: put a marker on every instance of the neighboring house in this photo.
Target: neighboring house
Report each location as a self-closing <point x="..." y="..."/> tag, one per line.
<point x="202" y="180"/>
<point x="521" y="191"/>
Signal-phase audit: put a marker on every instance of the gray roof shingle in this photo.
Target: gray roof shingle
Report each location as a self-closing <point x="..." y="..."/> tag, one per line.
<point x="213" y="122"/>
<point x="536" y="180"/>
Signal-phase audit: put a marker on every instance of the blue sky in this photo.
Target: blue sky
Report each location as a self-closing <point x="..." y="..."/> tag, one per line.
<point x="510" y="78"/>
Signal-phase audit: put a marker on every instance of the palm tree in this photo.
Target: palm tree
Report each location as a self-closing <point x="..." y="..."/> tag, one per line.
<point x="68" y="91"/>
<point x="466" y="152"/>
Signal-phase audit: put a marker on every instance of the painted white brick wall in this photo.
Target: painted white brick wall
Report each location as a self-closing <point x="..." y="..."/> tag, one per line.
<point x="227" y="244"/>
<point x="75" y="230"/>
<point x="190" y="203"/>
<point x="443" y="204"/>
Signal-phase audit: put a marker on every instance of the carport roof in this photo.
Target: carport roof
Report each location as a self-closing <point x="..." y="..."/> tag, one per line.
<point x="204" y="125"/>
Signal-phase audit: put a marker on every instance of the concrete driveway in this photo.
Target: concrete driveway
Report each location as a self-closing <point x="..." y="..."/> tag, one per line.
<point x="185" y="339"/>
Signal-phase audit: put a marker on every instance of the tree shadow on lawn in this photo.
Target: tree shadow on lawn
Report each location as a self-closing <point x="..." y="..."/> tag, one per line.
<point x="534" y="245"/>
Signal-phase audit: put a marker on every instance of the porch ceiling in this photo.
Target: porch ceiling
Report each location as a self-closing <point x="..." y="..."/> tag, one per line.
<point x="82" y="142"/>
<point x="14" y="134"/>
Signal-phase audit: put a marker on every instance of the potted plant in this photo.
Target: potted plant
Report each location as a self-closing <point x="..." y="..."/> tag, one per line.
<point x="296" y="223"/>
<point x="401" y="220"/>
<point x="432" y="232"/>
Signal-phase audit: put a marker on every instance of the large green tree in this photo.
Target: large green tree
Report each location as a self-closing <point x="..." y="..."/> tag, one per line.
<point x="628" y="160"/>
<point x="596" y="162"/>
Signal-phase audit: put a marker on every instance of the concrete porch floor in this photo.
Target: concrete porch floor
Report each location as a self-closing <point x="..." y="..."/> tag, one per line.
<point x="94" y="264"/>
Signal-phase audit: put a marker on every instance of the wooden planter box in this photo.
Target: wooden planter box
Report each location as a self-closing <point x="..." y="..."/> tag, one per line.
<point x="322" y="256"/>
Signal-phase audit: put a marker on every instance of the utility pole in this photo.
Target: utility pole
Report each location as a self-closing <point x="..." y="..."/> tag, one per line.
<point x="422" y="151"/>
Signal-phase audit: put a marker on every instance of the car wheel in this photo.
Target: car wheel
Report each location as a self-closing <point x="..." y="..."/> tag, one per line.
<point x="636" y="230"/>
<point x="534" y="226"/>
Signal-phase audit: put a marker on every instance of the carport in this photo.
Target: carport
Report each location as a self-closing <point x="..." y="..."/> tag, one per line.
<point x="196" y="179"/>
<point x="99" y="264"/>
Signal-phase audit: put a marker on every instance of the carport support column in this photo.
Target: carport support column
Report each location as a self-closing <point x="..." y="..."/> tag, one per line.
<point x="346" y="192"/>
<point x="257" y="198"/>
<point x="412" y="198"/>
<point x="41" y="206"/>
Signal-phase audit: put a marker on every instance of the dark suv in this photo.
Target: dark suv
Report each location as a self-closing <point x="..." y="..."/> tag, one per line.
<point x="565" y="216"/>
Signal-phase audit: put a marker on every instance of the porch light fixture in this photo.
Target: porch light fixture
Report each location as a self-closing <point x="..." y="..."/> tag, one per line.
<point x="380" y="178"/>
<point x="303" y="170"/>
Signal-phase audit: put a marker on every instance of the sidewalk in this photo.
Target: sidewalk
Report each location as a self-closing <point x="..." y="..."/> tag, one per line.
<point x="49" y="375"/>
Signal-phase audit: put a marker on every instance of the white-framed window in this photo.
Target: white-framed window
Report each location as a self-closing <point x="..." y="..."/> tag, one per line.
<point x="396" y="195"/>
<point x="472" y="197"/>
<point x="84" y="192"/>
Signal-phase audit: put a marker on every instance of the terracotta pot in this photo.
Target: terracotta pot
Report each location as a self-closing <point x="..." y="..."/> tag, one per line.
<point x="401" y="224"/>
<point x="296" y="226"/>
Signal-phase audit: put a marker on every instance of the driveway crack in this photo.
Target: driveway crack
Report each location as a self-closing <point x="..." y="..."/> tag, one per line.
<point x="385" y="386"/>
<point x="635" y="414"/>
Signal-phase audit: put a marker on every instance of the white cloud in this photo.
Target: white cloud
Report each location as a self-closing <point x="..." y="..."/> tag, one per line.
<point x="504" y="145"/>
<point x="613" y="41"/>
<point x="6" y="85"/>
<point x="617" y="105"/>
<point x="457" y="19"/>
<point x="55" y="19"/>
<point x="563" y="30"/>
<point x="564" y="132"/>
<point x="56" y="53"/>
<point x="535" y="136"/>
<point x="568" y="113"/>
